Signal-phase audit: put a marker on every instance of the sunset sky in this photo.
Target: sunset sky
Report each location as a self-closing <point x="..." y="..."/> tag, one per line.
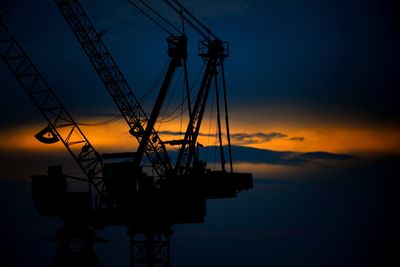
<point x="302" y="75"/>
<point x="313" y="88"/>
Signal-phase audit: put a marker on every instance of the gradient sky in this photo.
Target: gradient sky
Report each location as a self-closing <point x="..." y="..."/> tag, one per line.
<point x="302" y="75"/>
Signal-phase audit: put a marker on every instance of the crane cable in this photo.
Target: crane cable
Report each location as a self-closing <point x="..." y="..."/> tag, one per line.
<point x="160" y="16"/>
<point x="142" y="99"/>
<point x="178" y="79"/>
<point x="156" y="81"/>
<point x="168" y="118"/>
<point x="209" y="126"/>
<point x="151" y="18"/>
<point x="101" y="123"/>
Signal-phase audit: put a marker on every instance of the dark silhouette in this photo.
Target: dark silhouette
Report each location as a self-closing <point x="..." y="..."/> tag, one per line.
<point x="75" y="246"/>
<point x="118" y="191"/>
<point x="147" y="210"/>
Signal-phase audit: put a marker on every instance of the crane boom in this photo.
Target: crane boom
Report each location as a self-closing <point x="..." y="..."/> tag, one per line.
<point x="177" y="50"/>
<point x="60" y="121"/>
<point x="115" y="82"/>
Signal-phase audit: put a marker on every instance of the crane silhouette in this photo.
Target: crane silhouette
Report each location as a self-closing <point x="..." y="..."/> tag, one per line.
<point x="119" y="191"/>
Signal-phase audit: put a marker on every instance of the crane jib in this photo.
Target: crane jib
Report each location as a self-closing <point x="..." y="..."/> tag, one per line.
<point x="115" y="82"/>
<point x="61" y="124"/>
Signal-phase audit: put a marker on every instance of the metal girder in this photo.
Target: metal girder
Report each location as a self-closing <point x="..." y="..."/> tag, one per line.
<point x="44" y="98"/>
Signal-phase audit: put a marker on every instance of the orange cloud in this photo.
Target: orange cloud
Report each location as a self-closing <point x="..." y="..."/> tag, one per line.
<point x="337" y="140"/>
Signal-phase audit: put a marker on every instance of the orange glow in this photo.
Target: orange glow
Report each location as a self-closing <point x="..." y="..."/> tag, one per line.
<point x="329" y="138"/>
<point x="23" y="139"/>
<point x="113" y="137"/>
<point x="331" y="133"/>
<point x="337" y="140"/>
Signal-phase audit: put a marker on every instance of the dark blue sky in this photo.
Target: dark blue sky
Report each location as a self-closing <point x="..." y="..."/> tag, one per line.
<point x="338" y="58"/>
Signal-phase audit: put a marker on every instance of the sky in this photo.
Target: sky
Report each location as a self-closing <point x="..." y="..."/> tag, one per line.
<point x="313" y="90"/>
<point x="322" y="75"/>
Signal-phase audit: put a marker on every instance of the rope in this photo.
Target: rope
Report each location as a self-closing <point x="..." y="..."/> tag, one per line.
<point x="209" y="126"/>
<point x="166" y="118"/>
<point x="178" y="80"/>
<point x="150" y="17"/>
<point x="156" y="81"/>
<point x="102" y="123"/>
<point x="161" y="17"/>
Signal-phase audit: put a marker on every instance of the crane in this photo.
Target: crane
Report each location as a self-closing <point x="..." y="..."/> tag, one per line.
<point x="147" y="208"/>
<point x="213" y="51"/>
<point x="49" y="192"/>
<point x="61" y="125"/>
<point x="177" y="51"/>
<point x="140" y="125"/>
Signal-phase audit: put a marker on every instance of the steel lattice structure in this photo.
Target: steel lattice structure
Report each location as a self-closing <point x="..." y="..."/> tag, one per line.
<point x="60" y="121"/>
<point x="115" y="82"/>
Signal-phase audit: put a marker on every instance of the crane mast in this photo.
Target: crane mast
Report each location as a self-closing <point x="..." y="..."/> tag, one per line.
<point x="61" y="123"/>
<point x="213" y="51"/>
<point x="117" y="86"/>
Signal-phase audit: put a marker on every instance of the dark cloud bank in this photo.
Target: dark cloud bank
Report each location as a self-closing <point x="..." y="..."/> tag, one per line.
<point x="289" y="158"/>
<point x="21" y="165"/>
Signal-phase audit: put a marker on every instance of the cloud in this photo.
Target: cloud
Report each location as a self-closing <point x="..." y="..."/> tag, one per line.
<point x="285" y="158"/>
<point x="255" y="138"/>
<point x="297" y="138"/>
<point x="173" y="133"/>
<point x="176" y="133"/>
<point x="245" y="138"/>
